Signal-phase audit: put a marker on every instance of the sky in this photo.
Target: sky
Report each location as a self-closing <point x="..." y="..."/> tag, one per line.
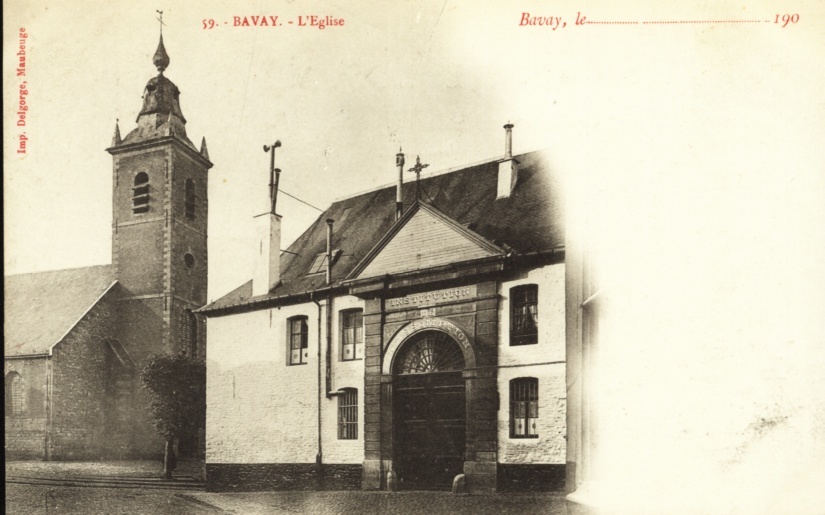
<point x="692" y="157"/>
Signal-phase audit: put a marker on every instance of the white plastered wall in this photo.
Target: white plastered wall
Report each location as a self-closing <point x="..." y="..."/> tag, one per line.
<point x="543" y="361"/>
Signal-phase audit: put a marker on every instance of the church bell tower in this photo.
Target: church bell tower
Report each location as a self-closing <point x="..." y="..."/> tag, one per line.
<point x="159" y="225"/>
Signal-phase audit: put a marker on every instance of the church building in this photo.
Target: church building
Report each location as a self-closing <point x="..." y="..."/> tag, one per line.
<point x="412" y="334"/>
<point x="75" y="340"/>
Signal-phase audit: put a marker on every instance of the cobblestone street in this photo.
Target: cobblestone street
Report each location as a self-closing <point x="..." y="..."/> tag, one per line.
<point x="134" y="488"/>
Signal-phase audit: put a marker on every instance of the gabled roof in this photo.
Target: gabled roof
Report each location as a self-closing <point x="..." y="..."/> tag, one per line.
<point x="423" y="237"/>
<point x="529" y="220"/>
<point x="40" y="308"/>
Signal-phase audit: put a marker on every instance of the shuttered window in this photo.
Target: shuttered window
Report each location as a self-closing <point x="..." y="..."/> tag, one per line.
<point x="140" y="193"/>
<point x="524" y="407"/>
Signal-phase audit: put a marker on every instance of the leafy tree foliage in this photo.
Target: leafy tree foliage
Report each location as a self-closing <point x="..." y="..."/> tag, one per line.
<point x="176" y="385"/>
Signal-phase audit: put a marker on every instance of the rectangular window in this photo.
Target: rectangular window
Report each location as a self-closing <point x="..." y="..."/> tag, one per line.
<point x="524" y="407"/>
<point x="352" y="334"/>
<point x="348" y="414"/>
<point x="298" y="340"/>
<point x="524" y="315"/>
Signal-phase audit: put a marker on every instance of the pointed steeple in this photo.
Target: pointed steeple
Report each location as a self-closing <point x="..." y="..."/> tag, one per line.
<point x="161" y="58"/>
<point x="116" y="138"/>
<point x="204" y="152"/>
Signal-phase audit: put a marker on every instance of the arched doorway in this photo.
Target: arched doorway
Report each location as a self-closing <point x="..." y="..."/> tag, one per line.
<point x="429" y="411"/>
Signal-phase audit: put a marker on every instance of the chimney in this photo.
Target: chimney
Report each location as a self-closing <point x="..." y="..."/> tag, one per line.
<point x="508" y="167"/>
<point x="399" y="198"/>
<point x="330" y="221"/>
<point x="267" y="273"/>
<point x="508" y="141"/>
<point x="268" y="261"/>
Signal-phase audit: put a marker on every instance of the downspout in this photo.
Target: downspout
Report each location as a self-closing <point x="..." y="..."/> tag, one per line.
<point x="319" y="457"/>
<point x="330" y="221"/>
<point x="319" y="460"/>
<point x="47" y="451"/>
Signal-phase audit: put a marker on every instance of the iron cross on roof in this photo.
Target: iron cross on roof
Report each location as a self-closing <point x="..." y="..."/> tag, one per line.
<point x="417" y="169"/>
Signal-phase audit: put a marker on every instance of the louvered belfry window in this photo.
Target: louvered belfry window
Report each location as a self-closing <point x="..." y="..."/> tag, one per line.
<point x="298" y="340"/>
<point x="140" y="193"/>
<point x="524" y="314"/>
<point x="524" y="407"/>
<point x="352" y="334"/>
<point x="348" y="414"/>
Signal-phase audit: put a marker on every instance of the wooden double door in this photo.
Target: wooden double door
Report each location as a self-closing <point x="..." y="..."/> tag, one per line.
<point x="430" y="429"/>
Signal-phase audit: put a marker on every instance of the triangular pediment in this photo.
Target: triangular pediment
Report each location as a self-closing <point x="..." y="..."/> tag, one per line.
<point x="423" y="238"/>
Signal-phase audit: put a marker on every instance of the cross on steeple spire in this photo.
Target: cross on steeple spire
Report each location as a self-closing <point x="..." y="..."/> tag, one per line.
<point x="161" y="58"/>
<point x="160" y="19"/>
<point x="417" y="169"/>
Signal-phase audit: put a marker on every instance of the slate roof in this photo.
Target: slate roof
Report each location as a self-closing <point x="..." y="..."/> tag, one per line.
<point x="528" y="220"/>
<point x="40" y="308"/>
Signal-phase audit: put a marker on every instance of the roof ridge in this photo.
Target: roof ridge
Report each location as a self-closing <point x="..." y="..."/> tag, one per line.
<point x="74" y="268"/>
<point x="435" y="173"/>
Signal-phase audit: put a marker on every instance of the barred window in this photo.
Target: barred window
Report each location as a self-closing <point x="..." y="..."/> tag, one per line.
<point x="524" y="315"/>
<point x="352" y="334"/>
<point x="348" y="414"/>
<point x="189" y="200"/>
<point x="14" y="394"/>
<point x="140" y="193"/>
<point x="298" y="340"/>
<point x="524" y="407"/>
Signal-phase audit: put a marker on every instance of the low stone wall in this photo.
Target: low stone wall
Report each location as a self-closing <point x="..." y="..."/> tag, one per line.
<point x="25" y="438"/>
<point x="531" y="478"/>
<point x="239" y="477"/>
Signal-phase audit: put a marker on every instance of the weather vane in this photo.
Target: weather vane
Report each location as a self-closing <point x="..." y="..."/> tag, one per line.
<point x="160" y="19"/>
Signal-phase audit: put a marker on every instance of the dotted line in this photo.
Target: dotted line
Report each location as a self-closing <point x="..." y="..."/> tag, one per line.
<point x="679" y="22"/>
<point x="701" y="21"/>
<point x="611" y="22"/>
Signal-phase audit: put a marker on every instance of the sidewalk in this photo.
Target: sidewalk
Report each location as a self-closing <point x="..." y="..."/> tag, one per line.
<point x="105" y="484"/>
<point x="359" y="502"/>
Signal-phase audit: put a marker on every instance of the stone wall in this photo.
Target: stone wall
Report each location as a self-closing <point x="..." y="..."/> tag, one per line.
<point x="79" y="385"/>
<point x="25" y="434"/>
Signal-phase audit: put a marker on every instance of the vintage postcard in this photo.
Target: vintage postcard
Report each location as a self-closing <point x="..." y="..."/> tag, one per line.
<point x="519" y="256"/>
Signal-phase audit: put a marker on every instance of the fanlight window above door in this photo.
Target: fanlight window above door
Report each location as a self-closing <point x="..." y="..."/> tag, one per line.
<point x="429" y="351"/>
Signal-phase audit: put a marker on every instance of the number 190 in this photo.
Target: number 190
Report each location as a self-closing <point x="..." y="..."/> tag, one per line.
<point x="786" y="19"/>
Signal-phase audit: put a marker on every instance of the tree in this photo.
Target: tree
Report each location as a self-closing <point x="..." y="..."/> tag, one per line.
<point x="176" y="385"/>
